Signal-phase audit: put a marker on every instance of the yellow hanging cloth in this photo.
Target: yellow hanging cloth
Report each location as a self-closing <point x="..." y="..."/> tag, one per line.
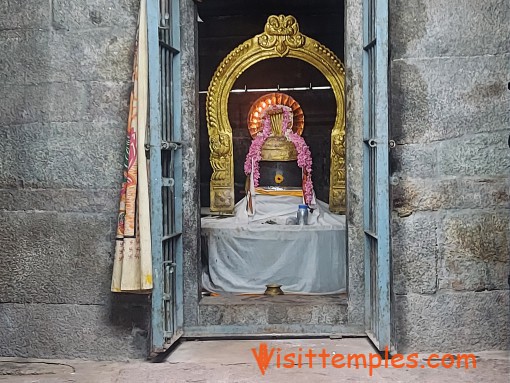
<point x="132" y="266"/>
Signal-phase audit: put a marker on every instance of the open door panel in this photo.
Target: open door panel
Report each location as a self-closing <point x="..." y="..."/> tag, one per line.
<point x="376" y="172"/>
<point x="164" y="139"/>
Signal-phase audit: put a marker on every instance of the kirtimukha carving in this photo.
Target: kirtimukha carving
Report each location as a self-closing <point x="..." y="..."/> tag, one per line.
<point x="281" y="38"/>
<point x="282" y="33"/>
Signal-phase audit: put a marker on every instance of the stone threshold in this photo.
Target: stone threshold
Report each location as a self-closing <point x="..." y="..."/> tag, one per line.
<point x="260" y="299"/>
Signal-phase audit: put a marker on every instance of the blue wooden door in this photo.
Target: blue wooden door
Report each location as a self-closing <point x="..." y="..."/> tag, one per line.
<point x="165" y="171"/>
<point x="376" y="172"/>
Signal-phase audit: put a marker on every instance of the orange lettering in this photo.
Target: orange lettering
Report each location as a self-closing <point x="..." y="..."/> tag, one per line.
<point x="413" y="358"/>
<point x="278" y="357"/>
<point x="357" y="357"/>
<point x="289" y="360"/>
<point x="443" y="361"/>
<point x="340" y="357"/>
<point x="324" y="355"/>
<point x="372" y="365"/>
<point x="300" y="358"/>
<point x="397" y="358"/>
<point x="263" y="357"/>
<point x="310" y="355"/>
<point x="430" y="359"/>
<point x="466" y="357"/>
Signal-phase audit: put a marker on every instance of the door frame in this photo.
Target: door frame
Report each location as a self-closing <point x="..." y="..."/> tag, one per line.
<point x="376" y="188"/>
<point x="166" y="178"/>
<point x="353" y="59"/>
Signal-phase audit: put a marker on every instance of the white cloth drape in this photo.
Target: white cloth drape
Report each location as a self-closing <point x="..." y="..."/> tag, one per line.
<point x="244" y="253"/>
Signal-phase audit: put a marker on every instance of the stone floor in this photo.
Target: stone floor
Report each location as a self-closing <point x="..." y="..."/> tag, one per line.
<point x="233" y="361"/>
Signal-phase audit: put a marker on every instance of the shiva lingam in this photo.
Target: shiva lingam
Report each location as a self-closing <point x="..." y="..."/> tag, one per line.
<point x="273" y="289"/>
<point x="279" y="161"/>
<point x="275" y="156"/>
<point x="281" y="38"/>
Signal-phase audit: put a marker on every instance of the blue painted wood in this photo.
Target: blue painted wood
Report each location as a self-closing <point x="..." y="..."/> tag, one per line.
<point x="366" y="160"/>
<point x="166" y="192"/>
<point x="376" y="172"/>
<point x="158" y="309"/>
<point x="178" y="165"/>
<point x="383" y="187"/>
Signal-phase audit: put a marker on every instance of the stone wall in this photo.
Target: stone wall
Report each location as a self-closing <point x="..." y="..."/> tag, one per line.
<point x="65" y="79"/>
<point x="65" y="76"/>
<point x="450" y="117"/>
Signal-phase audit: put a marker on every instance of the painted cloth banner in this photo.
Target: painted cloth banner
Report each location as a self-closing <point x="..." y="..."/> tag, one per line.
<point x="132" y="267"/>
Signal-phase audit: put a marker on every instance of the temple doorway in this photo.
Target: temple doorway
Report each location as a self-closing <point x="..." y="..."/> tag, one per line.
<point x="250" y="236"/>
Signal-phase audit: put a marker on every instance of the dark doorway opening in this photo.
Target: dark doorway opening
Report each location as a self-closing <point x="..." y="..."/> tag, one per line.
<point x="223" y="25"/>
<point x="227" y="23"/>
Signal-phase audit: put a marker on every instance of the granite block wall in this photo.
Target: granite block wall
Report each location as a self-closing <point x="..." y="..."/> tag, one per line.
<point x="450" y="118"/>
<point x="65" y="77"/>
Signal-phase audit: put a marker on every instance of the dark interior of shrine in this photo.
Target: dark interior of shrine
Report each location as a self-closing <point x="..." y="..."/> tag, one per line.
<point x="236" y="259"/>
<point x="227" y="23"/>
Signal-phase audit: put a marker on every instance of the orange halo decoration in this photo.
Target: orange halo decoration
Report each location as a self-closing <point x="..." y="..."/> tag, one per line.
<point x="255" y="113"/>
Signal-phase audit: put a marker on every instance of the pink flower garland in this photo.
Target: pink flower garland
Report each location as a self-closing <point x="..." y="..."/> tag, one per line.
<point x="304" y="159"/>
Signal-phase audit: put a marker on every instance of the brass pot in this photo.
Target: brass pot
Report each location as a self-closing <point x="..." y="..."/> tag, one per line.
<point x="273" y="289"/>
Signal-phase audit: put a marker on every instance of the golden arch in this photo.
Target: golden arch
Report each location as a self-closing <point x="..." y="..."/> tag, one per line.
<point x="281" y="38"/>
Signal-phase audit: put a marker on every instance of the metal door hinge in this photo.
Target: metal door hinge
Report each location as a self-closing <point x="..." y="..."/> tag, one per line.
<point x="166" y="145"/>
<point x="171" y="265"/>
<point x="373" y="142"/>
<point x="170" y="145"/>
<point x="168" y="182"/>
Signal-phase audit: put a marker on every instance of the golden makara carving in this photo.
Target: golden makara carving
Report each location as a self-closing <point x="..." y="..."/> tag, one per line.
<point x="281" y="38"/>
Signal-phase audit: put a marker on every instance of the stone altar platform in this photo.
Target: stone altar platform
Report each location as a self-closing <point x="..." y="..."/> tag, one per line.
<point x="242" y="254"/>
